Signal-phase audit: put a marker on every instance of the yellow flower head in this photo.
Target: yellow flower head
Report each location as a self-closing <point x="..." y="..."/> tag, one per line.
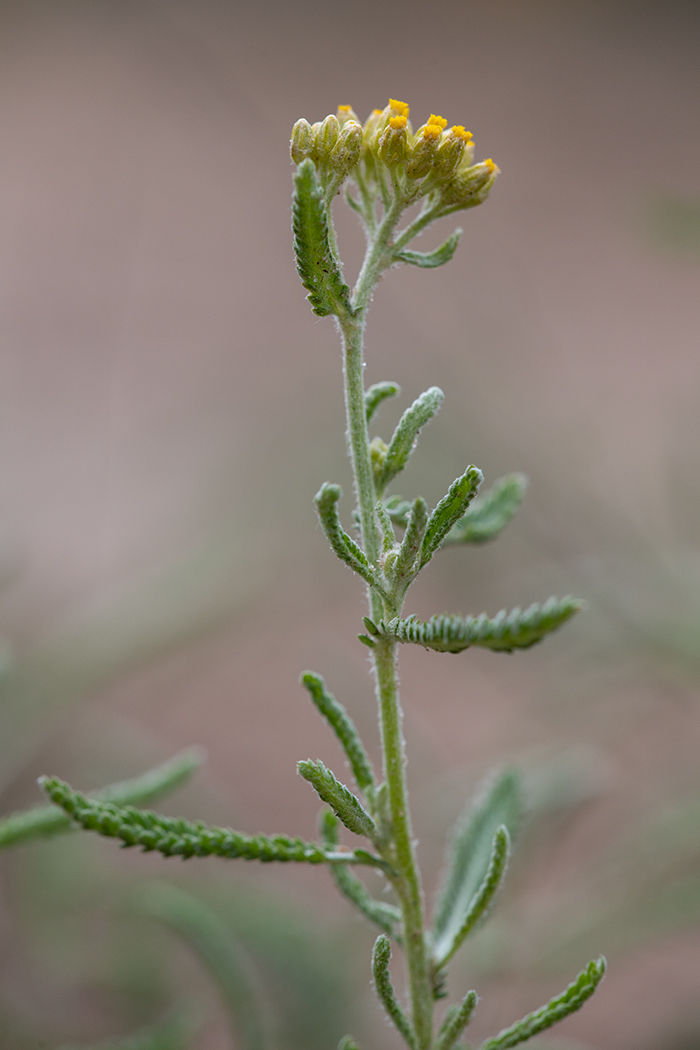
<point x="400" y="108"/>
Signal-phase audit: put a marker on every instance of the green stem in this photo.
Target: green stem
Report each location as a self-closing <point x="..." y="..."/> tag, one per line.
<point x="407" y="883"/>
<point x="408" y="887"/>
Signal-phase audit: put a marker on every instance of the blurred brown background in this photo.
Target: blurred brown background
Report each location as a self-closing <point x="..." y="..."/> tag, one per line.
<point x="169" y="405"/>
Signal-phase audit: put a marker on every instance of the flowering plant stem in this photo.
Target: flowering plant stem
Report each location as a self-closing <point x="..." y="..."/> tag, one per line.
<point x="388" y="169"/>
<point x="407" y="883"/>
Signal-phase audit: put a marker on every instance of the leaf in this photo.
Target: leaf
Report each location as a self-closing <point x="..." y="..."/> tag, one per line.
<point x="347" y="1043"/>
<point x="326" y="500"/>
<point x="404" y="438"/>
<point x="429" y="260"/>
<point x="498" y="802"/>
<point x="449" y="510"/>
<point x="516" y="629"/>
<point x="316" y="262"/>
<point x="377" y="393"/>
<point x="48" y="820"/>
<point x="456" y="1020"/>
<point x="231" y="968"/>
<point x="174" y="836"/>
<point x="381" y="955"/>
<point x="480" y="903"/>
<point x="404" y="567"/>
<point x="344" y="804"/>
<point x="343" y="727"/>
<point x="568" y="1002"/>
<point x="490" y="512"/>
<point x="384" y="915"/>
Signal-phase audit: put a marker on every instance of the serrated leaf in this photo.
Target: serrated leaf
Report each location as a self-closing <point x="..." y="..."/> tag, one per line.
<point x="377" y="393"/>
<point x="561" y="1006"/>
<point x="498" y="802"/>
<point x="343" y="727"/>
<point x="490" y="512"/>
<point x="429" y="260"/>
<point x="404" y="438"/>
<point x="346" y="806"/>
<point x="456" y="1020"/>
<point x="404" y="567"/>
<point x="479" y="905"/>
<point x="449" y="510"/>
<point x="40" y="821"/>
<point x="344" y="546"/>
<point x="517" y="629"/>
<point x="381" y="955"/>
<point x="316" y="262"/>
<point x="177" y="837"/>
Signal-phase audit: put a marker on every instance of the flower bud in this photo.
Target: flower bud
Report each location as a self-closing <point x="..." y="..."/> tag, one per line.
<point x="471" y="186"/>
<point x="346" y="152"/>
<point x="392" y="145"/>
<point x="450" y="151"/>
<point x="327" y="136"/>
<point x="421" y="151"/>
<point x="346" y="113"/>
<point x="302" y="144"/>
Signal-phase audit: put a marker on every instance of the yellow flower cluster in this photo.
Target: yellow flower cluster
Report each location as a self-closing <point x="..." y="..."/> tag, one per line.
<point x="435" y="158"/>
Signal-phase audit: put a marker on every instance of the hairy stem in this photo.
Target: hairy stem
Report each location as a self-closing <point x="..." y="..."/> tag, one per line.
<point x="408" y="887"/>
<point x="407" y="883"/>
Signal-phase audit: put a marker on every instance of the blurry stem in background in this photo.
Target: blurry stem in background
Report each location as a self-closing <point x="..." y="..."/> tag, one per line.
<point x="225" y="960"/>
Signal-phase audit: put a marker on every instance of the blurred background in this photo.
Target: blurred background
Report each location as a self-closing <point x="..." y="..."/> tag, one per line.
<point x="169" y="406"/>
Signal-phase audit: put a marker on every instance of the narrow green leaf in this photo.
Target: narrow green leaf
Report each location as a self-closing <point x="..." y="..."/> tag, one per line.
<point x="381" y="955"/>
<point x="490" y="512"/>
<point x="456" y="1020"/>
<point x="517" y="629"/>
<point x="404" y="438"/>
<point x="498" y="802"/>
<point x="344" y="804"/>
<point x="347" y="1043"/>
<point x="404" y="568"/>
<point x="449" y="510"/>
<point x="568" y="1002"/>
<point x="377" y="393"/>
<point x="174" y="836"/>
<point x="429" y="260"/>
<point x="40" y="821"/>
<point x="227" y="962"/>
<point x="456" y="934"/>
<point x="387" y="528"/>
<point x="316" y="262"/>
<point x="326" y="500"/>
<point x="343" y="727"/>
<point x="384" y="915"/>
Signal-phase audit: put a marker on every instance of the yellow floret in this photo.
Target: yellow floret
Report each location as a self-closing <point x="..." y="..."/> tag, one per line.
<point x="400" y="107"/>
<point x="440" y="121"/>
<point x="432" y="131"/>
<point x="345" y="109"/>
<point x="492" y="167"/>
<point x="459" y="132"/>
<point x="397" y="122"/>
